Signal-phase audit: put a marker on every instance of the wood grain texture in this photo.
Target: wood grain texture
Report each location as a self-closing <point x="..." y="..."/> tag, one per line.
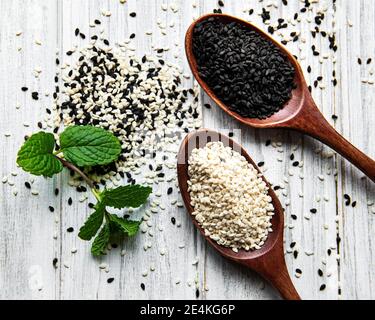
<point x="27" y="247"/>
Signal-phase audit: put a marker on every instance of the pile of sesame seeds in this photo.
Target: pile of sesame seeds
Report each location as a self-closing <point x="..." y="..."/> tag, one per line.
<point x="245" y="70"/>
<point x="229" y="197"/>
<point x="142" y="101"/>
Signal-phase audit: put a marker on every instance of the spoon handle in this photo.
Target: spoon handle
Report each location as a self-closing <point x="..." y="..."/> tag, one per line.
<point x="313" y="123"/>
<point x="284" y="285"/>
<point x="272" y="267"/>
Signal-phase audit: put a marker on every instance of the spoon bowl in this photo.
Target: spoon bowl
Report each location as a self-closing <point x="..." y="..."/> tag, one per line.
<point x="269" y="260"/>
<point x="299" y="113"/>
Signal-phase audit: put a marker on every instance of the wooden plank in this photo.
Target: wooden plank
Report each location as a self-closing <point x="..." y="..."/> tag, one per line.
<point x="27" y="247"/>
<point x="174" y="269"/>
<point x="356" y="31"/>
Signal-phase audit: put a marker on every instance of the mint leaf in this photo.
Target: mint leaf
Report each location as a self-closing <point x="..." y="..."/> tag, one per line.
<point x="89" y="146"/>
<point x="126" y="196"/>
<point x="101" y="241"/>
<point x="93" y="223"/>
<point x="35" y="156"/>
<point x="128" y="227"/>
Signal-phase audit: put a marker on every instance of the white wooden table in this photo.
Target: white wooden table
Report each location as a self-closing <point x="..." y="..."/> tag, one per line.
<point x="27" y="247"/>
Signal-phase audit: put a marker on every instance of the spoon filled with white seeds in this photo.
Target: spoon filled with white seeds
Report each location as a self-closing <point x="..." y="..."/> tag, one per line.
<point x="233" y="205"/>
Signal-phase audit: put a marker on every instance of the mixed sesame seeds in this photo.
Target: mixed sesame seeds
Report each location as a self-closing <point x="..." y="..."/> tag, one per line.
<point x="141" y="101"/>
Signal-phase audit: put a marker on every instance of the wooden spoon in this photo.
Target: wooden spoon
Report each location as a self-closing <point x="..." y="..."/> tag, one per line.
<point x="299" y="113"/>
<point x="269" y="261"/>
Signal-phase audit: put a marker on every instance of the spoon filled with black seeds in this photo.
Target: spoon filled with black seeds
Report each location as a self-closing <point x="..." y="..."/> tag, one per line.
<point x="259" y="82"/>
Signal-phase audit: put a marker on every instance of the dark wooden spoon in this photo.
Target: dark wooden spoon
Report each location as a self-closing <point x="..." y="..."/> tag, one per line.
<point x="269" y="261"/>
<point x="299" y="113"/>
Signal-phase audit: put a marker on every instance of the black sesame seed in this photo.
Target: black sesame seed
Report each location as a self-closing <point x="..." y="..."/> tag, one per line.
<point x="110" y="280"/>
<point x="35" y="95"/>
<point x="313" y="210"/>
<point x="261" y="164"/>
<point x="322" y="287"/>
<point x="106" y="42"/>
<point x="173" y="220"/>
<point x="354" y="203"/>
<point x="70" y="229"/>
<point x="299" y="271"/>
<point x="40" y="125"/>
<point x="359" y="61"/>
<point x="56" y="192"/>
<point x="132" y="14"/>
<point x="268" y="142"/>
<point x="24" y="89"/>
<point x="170" y="190"/>
<point x="294" y="217"/>
<point x="132" y="36"/>
<point x="54" y="262"/>
<point x="52" y="209"/>
<point x="220" y="3"/>
<point x="96" y="21"/>
<point x="143" y="286"/>
<point x="70" y="201"/>
<point x="76" y="32"/>
<point x="292" y="245"/>
<point x="27" y="185"/>
<point x="320" y="273"/>
<point x="197" y="293"/>
<point x="208" y="106"/>
<point x="295" y="254"/>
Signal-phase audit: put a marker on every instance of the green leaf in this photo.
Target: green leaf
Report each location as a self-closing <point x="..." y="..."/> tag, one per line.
<point x="89" y="146"/>
<point x="126" y="196"/>
<point x="36" y="155"/>
<point x="93" y="223"/>
<point x="101" y="241"/>
<point x="128" y="227"/>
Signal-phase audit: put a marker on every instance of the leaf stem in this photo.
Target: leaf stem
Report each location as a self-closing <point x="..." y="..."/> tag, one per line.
<point x="96" y="194"/>
<point x="71" y="166"/>
<point x="57" y="152"/>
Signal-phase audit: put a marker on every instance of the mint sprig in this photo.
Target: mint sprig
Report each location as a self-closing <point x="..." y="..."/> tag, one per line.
<point x="122" y="197"/>
<point x="82" y="146"/>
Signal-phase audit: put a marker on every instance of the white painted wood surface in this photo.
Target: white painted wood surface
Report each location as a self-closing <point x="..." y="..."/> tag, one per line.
<point x="27" y="247"/>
